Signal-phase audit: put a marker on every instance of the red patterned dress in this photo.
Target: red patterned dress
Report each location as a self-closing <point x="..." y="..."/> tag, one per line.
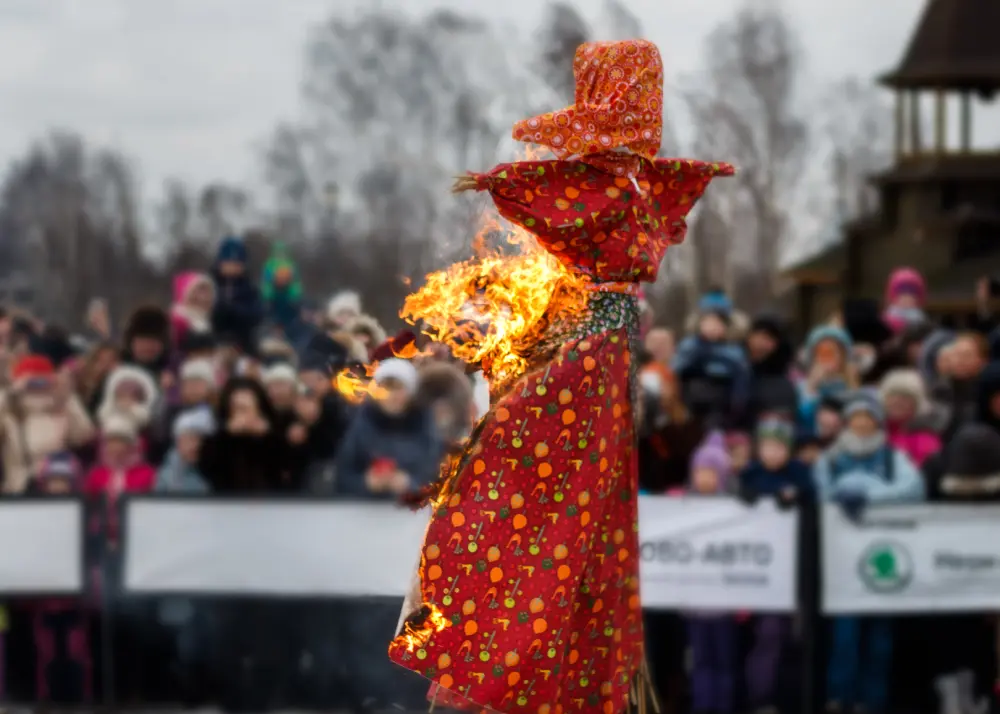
<point x="533" y="558"/>
<point x="529" y="571"/>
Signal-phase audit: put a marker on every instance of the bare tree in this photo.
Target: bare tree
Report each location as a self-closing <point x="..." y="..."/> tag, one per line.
<point x="857" y="130"/>
<point x="71" y="213"/>
<point x="563" y="30"/>
<point x="618" y="22"/>
<point x="745" y="113"/>
<point x="394" y="108"/>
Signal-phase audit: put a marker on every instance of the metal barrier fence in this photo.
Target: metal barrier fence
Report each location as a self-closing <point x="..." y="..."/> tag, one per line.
<point x="289" y="603"/>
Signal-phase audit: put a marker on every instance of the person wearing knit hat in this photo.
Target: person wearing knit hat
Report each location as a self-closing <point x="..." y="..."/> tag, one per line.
<point x="179" y="473"/>
<point x="772" y="474"/>
<point x="770" y="354"/>
<point x="392" y="445"/>
<point x="342" y="308"/>
<point x="713" y="371"/>
<point x="711" y="466"/>
<point x="202" y="378"/>
<point x="909" y="420"/>
<point x="238" y="310"/>
<point x="712" y="637"/>
<point x="827" y="363"/>
<point x="194" y="296"/>
<point x="905" y="294"/>
<point x="281" y="289"/>
<point x="282" y="384"/>
<point x="862" y="468"/>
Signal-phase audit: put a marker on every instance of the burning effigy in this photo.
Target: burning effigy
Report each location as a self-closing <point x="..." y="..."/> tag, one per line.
<point x="527" y="592"/>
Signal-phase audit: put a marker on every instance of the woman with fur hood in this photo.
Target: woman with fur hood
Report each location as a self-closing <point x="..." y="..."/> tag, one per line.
<point x="911" y="426"/>
<point x="366" y="330"/>
<point x="131" y="393"/>
<point x="194" y="296"/>
<point x="39" y="418"/>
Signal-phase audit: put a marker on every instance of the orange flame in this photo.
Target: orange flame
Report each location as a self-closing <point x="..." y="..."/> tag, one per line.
<point x="492" y="310"/>
<point x="355" y="387"/>
<point x="415" y="636"/>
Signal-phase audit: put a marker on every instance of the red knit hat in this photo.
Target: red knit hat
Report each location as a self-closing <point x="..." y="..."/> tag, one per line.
<point x="31" y="366"/>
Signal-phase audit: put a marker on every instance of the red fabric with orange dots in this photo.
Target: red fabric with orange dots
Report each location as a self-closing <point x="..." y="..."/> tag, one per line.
<point x="609" y="227"/>
<point x="533" y="562"/>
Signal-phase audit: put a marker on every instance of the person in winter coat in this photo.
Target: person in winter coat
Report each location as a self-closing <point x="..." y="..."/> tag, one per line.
<point x="661" y="345"/>
<point x="909" y="422"/>
<point x="121" y="467"/>
<point x="770" y="352"/>
<point x="863" y="468"/>
<point x="63" y="665"/>
<point x="905" y="294"/>
<point x="712" y="636"/>
<point x="829" y="372"/>
<point x="773" y="474"/>
<point x="668" y="436"/>
<point x="183" y="619"/>
<point x="446" y="391"/>
<point x="324" y="413"/>
<point x="343" y="308"/>
<point x="238" y="310"/>
<point x="712" y="370"/>
<point x="147" y="342"/>
<point x="179" y="473"/>
<point x="97" y="364"/>
<point x="964" y="661"/>
<point x="247" y="453"/>
<point x="131" y="394"/>
<point x="366" y="330"/>
<point x="965" y="359"/>
<point x="392" y="446"/>
<point x="39" y="418"/>
<point x="194" y="297"/>
<point x="281" y="289"/>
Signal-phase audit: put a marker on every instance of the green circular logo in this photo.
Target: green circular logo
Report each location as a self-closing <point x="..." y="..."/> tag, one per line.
<point x="885" y="567"/>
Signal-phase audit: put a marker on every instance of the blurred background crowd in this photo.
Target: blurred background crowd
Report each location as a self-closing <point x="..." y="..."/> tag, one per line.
<point x="139" y="353"/>
<point x="232" y="390"/>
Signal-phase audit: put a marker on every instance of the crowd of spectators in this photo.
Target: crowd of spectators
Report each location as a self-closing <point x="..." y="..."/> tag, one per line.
<point x="229" y="391"/>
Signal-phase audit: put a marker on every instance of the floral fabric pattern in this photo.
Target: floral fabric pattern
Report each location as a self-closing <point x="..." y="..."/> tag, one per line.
<point x="618" y="104"/>
<point x="608" y="227"/>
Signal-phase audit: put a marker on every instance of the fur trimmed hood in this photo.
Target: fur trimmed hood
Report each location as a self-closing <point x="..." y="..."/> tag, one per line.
<point x="368" y="325"/>
<point x="142" y="412"/>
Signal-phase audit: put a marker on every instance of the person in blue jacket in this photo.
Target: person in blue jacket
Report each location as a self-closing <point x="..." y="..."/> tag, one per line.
<point x="238" y="310"/>
<point x="829" y="372"/>
<point x="858" y="470"/>
<point x="712" y="370"/>
<point x="392" y="446"/>
<point x="774" y="474"/>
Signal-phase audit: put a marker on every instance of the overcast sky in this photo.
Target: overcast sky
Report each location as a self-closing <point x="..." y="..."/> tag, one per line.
<point x="190" y="88"/>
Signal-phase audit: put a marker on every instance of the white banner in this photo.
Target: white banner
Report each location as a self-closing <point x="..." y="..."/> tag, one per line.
<point x="42" y="551"/>
<point x="299" y="548"/>
<point x="921" y="558"/>
<point x="717" y="554"/>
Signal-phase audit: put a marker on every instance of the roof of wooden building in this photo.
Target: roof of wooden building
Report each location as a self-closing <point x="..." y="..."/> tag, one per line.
<point x="955" y="46"/>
